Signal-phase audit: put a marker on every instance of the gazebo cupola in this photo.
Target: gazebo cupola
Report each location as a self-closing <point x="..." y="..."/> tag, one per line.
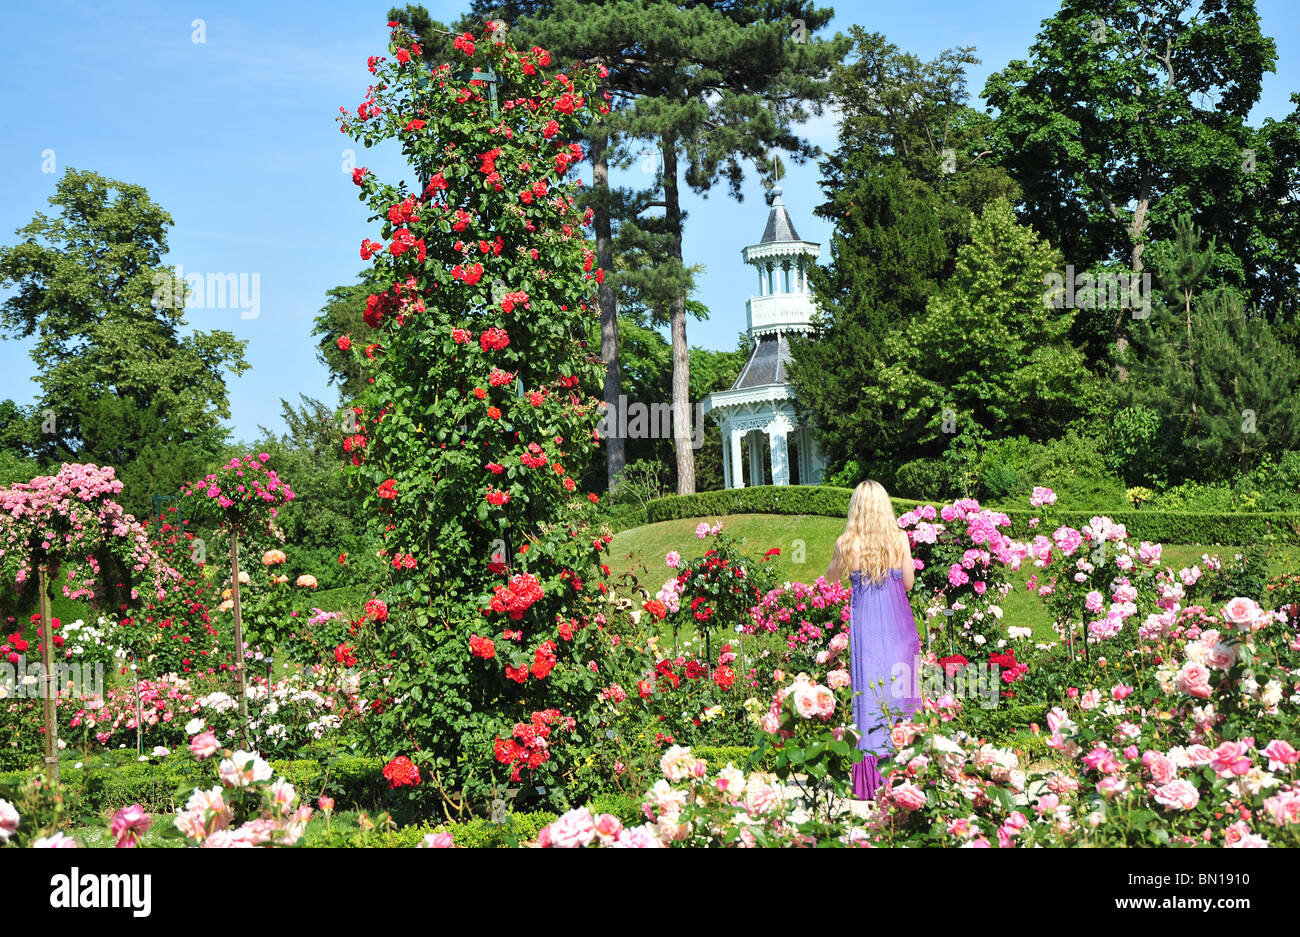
<point x="761" y="403"/>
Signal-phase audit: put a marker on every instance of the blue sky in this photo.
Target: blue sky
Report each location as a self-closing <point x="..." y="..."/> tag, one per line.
<point x="235" y="137"/>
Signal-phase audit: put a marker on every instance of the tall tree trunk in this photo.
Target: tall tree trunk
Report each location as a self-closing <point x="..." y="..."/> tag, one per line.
<point x="615" y="453"/>
<point x="677" y="319"/>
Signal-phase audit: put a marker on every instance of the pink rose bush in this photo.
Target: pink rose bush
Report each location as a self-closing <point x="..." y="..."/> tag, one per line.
<point x="250" y="807"/>
<point x="71" y="521"/>
<point x="1194" y="746"/>
<point x="961" y="552"/>
<point x="243" y="495"/>
<point x="797" y="627"/>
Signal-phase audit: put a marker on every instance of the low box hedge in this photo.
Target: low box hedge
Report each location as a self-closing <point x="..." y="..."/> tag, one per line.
<point x="97" y="789"/>
<point x="826" y="501"/>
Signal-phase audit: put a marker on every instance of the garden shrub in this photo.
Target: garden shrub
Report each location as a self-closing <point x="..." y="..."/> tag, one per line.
<point x="103" y="787"/>
<point x="922" y="478"/>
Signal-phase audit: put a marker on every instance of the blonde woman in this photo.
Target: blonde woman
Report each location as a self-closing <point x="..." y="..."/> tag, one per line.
<point x="876" y="556"/>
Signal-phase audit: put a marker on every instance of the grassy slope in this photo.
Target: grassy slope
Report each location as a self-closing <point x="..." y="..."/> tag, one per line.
<point x="806" y="543"/>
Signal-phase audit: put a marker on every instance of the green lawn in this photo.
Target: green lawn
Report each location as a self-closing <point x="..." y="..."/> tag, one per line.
<point x="806" y="542"/>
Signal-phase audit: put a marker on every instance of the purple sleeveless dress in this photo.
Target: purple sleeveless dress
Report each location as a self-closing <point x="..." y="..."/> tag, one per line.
<point x="882" y="637"/>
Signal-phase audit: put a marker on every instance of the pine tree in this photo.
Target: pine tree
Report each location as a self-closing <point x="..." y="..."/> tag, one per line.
<point x="1223" y="382"/>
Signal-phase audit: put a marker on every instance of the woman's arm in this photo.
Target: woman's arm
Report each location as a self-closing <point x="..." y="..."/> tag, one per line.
<point x="909" y="568"/>
<point x="835" y="572"/>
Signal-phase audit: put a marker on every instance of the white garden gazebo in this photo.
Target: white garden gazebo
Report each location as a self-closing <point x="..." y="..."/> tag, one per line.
<point x="761" y="403"/>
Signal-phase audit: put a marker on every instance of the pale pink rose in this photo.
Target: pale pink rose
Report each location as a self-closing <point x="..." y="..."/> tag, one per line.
<point x="243" y="769"/>
<point x="1047" y="804"/>
<point x="128" y="825"/>
<point x="838" y="678"/>
<point x="57" y="841"/>
<point x="908" y="796"/>
<point x="1231" y="758"/>
<point x="608" y="826"/>
<point x="1194" y="680"/>
<point x="436" y="841"/>
<point x="573" y="830"/>
<point x="759" y="797"/>
<point x="1284" y="808"/>
<point x="1218" y="656"/>
<point x="1280" y="755"/>
<point x="1177" y="795"/>
<point x="1111" y="786"/>
<point x="9" y="820"/>
<point x="1162" y="767"/>
<point x="1198" y="755"/>
<point x="204" y="745"/>
<point x="805" y="701"/>
<point x="673" y="559"/>
<point x="676" y="763"/>
<point x="902" y="734"/>
<point x="637" y="837"/>
<point x="228" y="839"/>
<point x="1241" y="612"/>
<point x="1090" y="700"/>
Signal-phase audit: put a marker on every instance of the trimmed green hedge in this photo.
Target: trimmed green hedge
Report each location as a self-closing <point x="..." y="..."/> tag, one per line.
<point x="823" y="500"/>
<point x="98" y="789"/>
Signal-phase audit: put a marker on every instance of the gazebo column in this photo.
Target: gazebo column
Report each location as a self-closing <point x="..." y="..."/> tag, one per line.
<point x="755" y="458"/>
<point x="780" y="457"/>
<point x="735" y="463"/>
<point x="726" y="458"/>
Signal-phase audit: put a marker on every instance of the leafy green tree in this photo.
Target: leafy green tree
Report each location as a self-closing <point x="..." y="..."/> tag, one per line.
<point x="988" y="348"/>
<point x="1128" y="112"/>
<point x="900" y="188"/>
<point x="121" y="385"/>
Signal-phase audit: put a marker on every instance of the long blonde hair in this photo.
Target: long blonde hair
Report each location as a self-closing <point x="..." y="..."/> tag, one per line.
<point x="871" y="539"/>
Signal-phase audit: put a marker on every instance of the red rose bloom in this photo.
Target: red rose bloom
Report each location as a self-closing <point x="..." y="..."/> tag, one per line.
<point x="482" y="647"/>
<point x="344" y="343"/>
<point x="344" y="655"/>
<point x="401" y="772"/>
<point x="507" y="750"/>
<point x="517" y="674"/>
<point x="724" y="677"/>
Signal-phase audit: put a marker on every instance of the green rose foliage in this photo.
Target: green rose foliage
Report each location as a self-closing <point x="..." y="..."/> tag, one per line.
<point x="475" y="416"/>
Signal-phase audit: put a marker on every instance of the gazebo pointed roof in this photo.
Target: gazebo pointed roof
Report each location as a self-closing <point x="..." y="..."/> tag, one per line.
<point x="779" y="226"/>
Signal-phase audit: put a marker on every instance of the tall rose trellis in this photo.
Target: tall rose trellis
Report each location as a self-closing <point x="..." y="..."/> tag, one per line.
<point x="67" y="528"/>
<point x="240" y="497"/>
<point x="476" y="419"/>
